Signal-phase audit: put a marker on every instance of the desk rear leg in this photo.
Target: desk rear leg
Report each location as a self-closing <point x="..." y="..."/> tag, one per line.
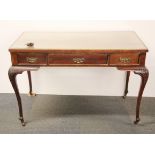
<point x="126" y="85"/>
<point x="30" y="84"/>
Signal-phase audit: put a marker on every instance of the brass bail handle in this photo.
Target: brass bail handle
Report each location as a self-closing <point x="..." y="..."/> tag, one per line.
<point x="78" y="60"/>
<point x="125" y="60"/>
<point x="31" y="59"/>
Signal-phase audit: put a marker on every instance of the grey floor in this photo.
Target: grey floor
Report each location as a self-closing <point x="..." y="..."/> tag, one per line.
<point x="76" y="114"/>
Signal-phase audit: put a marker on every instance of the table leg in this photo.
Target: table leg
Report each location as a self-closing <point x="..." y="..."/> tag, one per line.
<point x="126" y="85"/>
<point x="30" y="84"/>
<point x="144" y="74"/>
<point x="12" y="73"/>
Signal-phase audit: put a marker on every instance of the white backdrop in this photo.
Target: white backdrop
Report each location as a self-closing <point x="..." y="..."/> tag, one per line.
<point x="77" y="81"/>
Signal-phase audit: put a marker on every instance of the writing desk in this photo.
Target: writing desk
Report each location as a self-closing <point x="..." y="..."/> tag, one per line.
<point x="121" y="49"/>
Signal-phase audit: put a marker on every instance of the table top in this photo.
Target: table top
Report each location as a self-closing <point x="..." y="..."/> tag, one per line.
<point x="105" y="40"/>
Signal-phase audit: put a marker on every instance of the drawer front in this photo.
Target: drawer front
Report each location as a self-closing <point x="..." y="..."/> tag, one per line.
<point x="77" y="59"/>
<point x="31" y="59"/>
<point x="124" y="59"/>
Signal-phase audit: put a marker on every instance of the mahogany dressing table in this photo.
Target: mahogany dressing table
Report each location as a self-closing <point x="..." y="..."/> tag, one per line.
<point x="121" y="49"/>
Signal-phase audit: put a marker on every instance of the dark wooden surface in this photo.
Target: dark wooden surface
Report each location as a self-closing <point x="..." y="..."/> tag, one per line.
<point x="87" y="57"/>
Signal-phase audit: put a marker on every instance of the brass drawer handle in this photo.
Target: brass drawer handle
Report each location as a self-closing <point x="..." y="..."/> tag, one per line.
<point x="31" y="59"/>
<point x="125" y="60"/>
<point x="78" y="60"/>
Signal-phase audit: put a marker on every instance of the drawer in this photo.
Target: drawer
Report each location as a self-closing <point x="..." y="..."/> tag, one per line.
<point x="124" y="59"/>
<point x="31" y="59"/>
<point x="75" y="59"/>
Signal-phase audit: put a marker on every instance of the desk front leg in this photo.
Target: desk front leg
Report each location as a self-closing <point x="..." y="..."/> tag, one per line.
<point x="12" y="73"/>
<point x="144" y="74"/>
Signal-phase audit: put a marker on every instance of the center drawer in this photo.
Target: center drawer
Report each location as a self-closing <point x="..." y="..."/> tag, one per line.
<point x="75" y="59"/>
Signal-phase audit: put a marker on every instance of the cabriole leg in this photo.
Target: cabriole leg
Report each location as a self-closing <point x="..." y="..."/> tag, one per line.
<point x="144" y="74"/>
<point x="12" y="73"/>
